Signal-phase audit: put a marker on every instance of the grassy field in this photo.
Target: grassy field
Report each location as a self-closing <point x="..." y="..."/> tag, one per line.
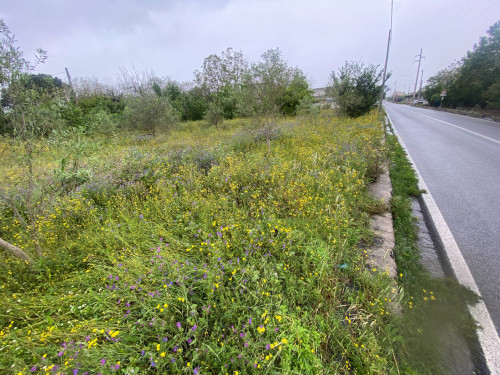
<point x="204" y="252"/>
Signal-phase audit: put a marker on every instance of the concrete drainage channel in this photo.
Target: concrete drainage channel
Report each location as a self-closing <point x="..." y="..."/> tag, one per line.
<point x="441" y="256"/>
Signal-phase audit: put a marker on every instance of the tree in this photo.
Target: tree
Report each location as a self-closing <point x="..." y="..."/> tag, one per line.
<point x="444" y="79"/>
<point x="89" y="87"/>
<point x="220" y="78"/>
<point x="31" y="116"/>
<point x="270" y="88"/>
<point x="355" y="88"/>
<point x="194" y="105"/>
<point x="475" y="80"/>
<point x="150" y="113"/>
<point x="480" y="70"/>
<point x="138" y="82"/>
<point x="41" y="85"/>
<point x="297" y="92"/>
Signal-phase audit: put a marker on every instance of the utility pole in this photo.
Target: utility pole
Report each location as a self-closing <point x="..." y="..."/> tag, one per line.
<point x="421" y="80"/>
<point x="73" y="94"/>
<point x="418" y="70"/>
<point x="394" y="93"/>
<point x="386" y="59"/>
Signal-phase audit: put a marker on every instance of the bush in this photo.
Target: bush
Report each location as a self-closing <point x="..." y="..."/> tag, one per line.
<point x="150" y="113"/>
<point x="214" y="114"/>
<point x="102" y="122"/>
<point x="72" y="115"/>
<point x="194" y="105"/>
<point x="100" y="103"/>
<point x="307" y="106"/>
<point x="355" y="88"/>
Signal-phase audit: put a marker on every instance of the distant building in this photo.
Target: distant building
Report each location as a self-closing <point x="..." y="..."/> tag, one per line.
<point x="400" y="96"/>
<point x="320" y="96"/>
<point x="320" y="92"/>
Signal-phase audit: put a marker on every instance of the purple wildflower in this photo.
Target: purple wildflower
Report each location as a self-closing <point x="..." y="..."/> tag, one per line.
<point x="103" y="361"/>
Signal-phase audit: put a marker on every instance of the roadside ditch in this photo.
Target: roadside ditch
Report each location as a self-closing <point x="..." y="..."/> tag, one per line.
<point x="439" y="334"/>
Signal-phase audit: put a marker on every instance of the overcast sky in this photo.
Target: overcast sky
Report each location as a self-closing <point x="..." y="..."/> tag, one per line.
<point x="172" y="37"/>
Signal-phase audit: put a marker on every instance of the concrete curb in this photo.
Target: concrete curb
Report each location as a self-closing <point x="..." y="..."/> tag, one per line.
<point x="381" y="256"/>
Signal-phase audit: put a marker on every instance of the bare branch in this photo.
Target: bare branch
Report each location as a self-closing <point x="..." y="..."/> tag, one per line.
<point x="15" y="250"/>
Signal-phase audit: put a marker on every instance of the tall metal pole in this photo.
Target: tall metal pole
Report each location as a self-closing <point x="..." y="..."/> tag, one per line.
<point x="386" y="60"/>
<point x="418" y="70"/>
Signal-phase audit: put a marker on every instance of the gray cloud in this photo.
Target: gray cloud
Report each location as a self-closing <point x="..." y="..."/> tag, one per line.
<point x="95" y="38"/>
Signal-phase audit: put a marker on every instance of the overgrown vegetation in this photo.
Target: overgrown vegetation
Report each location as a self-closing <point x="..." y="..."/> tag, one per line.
<point x="183" y="257"/>
<point x="472" y="81"/>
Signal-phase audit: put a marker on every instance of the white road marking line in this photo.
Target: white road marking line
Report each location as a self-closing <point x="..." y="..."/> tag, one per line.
<point x="455" y="126"/>
<point x="488" y="336"/>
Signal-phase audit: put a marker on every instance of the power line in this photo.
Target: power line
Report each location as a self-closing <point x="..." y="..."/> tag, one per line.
<point x="466" y="28"/>
<point x="456" y="22"/>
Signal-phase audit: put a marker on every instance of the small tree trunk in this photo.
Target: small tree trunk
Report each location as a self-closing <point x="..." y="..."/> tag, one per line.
<point x="15" y="250"/>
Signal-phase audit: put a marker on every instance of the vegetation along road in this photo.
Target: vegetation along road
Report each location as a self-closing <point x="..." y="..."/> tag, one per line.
<point x="459" y="159"/>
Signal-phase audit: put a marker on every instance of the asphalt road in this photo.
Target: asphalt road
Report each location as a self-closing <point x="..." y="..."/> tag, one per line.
<point x="458" y="157"/>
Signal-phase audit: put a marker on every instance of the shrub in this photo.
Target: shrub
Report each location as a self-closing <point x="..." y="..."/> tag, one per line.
<point x="102" y="122"/>
<point x="355" y="88"/>
<point x="214" y="114"/>
<point x="150" y="113"/>
<point x="100" y="103"/>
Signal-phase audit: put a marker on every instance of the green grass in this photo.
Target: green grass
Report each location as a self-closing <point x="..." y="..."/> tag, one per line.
<point x="435" y="309"/>
<point x="201" y="252"/>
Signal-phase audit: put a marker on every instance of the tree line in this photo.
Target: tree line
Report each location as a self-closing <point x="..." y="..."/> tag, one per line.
<point x="226" y="86"/>
<point x="472" y="81"/>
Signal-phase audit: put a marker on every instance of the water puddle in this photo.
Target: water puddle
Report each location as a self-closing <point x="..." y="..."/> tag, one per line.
<point x="430" y="258"/>
<point x="457" y="354"/>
